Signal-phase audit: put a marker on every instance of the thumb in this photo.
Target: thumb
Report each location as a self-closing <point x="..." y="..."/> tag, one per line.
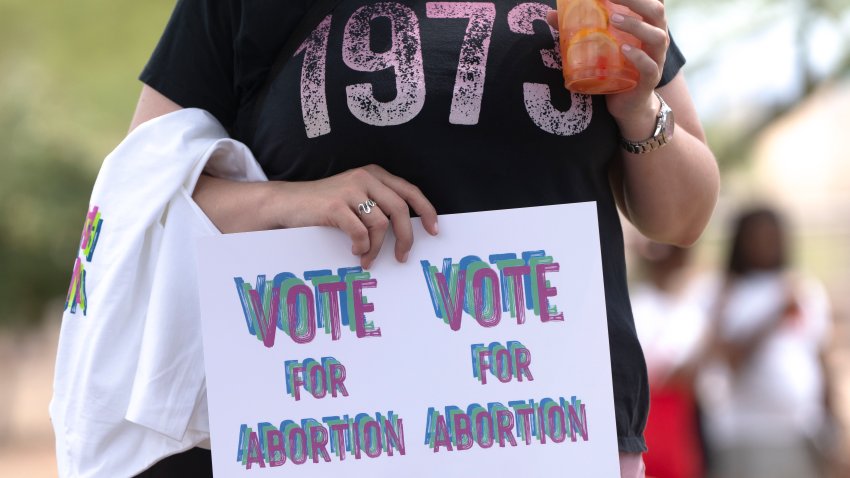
<point x="552" y="18"/>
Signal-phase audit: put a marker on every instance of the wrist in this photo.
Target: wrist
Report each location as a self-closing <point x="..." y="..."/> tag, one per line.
<point x="660" y="136"/>
<point x="235" y="206"/>
<point x="639" y="123"/>
<point x="275" y="205"/>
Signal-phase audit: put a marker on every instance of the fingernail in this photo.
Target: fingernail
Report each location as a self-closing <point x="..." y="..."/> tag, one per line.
<point x="436" y="228"/>
<point x="627" y="48"/>
<point x="404" y="257"/>
<point x="617" y="18"/>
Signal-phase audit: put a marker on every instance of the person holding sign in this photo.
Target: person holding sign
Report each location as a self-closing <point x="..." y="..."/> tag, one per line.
<point x="360" y="112"/>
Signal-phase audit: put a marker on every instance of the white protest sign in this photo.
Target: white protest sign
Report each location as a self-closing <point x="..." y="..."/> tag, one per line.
<point x="486" y="354"/>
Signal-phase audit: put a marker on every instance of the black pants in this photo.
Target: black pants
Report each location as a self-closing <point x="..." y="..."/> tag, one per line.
<point x="194" y="463"/>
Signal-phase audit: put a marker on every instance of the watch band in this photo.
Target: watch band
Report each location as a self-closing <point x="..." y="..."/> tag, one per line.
<point x="640" y="147"/>
<point x="661" y="136"/>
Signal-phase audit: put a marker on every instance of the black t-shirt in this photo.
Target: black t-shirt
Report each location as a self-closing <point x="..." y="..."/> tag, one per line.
<point x="464" y="100"/>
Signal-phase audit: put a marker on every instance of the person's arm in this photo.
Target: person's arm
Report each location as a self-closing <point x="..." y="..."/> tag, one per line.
<point x="670" y="193"/>
<point x="240" y="207"/>
<point x="151" y="104"/>
<point x="738" y="350"/>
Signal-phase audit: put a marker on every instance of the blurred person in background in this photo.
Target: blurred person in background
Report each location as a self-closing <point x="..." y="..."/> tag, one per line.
<point x="671" y="326"/>
<point x="770" y="328"/>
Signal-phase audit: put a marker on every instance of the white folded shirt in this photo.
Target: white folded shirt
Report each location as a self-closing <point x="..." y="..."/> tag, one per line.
<point x="129" y="387"/>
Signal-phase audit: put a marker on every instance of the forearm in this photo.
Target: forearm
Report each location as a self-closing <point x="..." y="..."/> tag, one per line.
<point x="740" y="352"/>
<point x="239" y="206"/>
<point x="669" y="193"/>
<point x="331" y="202"/>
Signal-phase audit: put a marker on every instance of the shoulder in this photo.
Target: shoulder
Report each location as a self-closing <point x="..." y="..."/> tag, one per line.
<point x="213" y="53"/>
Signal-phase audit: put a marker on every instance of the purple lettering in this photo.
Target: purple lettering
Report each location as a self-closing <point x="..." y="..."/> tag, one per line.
<point x="478" y="297"/>
<point x="514" y="275"/>
<point x="333" y="289"/>
<point x="544" y="292"/>
<point x="502" y="360"/>
<point x="339" y="430"/>
<point x="361" y="307"/>
<point x="505" y="426"/>
<point x="267" y="321"/>
<point x="297" y="436"/>
<point x="337" y="375"/>
<point x="373" y="445"/>
<point x="297" y="381"/>
<point x="274" y="447"/>
<point x="483" y="366"/>
<point x="255" y="452"/>
<point x="441" y="434"/>
<point x="319" y="442"/>
<point x="525" y="414"/>
<point x="523" y="359"/>
<point x="453" y="306"/>
<point x="462" y="426"/>
<point x="292" y="312"/>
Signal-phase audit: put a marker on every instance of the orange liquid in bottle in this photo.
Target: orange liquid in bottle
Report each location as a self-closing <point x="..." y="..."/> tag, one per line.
<point x="590" y="48"/>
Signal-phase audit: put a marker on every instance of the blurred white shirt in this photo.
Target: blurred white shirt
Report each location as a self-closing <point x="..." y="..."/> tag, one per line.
<point x="670" y="327"/>
<point x="777" y="396"/>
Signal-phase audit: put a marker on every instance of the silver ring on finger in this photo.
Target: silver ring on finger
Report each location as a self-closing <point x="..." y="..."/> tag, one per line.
<point x="366" y="207"/>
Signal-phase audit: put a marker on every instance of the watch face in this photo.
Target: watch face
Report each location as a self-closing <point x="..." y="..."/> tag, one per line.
<point x="668" y="125"/>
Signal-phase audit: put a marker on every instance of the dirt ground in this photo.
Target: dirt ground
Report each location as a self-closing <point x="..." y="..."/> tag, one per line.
<point x="26" y="381"/>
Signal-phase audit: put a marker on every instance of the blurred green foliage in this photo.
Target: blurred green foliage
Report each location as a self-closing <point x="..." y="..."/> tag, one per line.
<point x="732" y="141"/>
<point x="67" y="91"/>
